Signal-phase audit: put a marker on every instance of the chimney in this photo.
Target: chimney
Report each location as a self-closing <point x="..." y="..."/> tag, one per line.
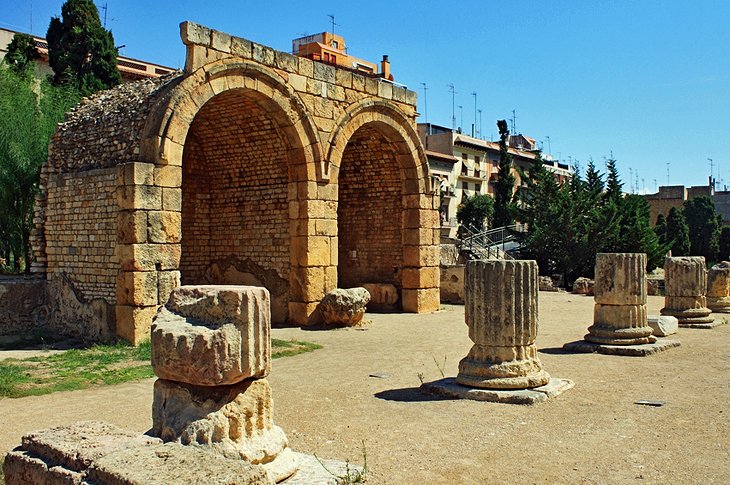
<point x="385" y="69"/>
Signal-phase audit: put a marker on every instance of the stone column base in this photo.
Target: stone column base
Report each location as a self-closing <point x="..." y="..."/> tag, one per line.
<point x="502" y="368"/>
<point x="690" y="315"/>
<point x="718" y="304"/>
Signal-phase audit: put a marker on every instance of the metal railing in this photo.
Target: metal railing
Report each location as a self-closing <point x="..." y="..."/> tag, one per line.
<point x="488" y="244"/>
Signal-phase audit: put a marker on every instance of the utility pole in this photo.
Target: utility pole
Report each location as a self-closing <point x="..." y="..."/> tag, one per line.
<point x="474" y="126"/>
<point x="425" y="101"/>
<point x="453" y="97"/>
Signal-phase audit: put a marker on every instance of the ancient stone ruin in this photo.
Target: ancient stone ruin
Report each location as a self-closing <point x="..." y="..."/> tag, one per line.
<point x="685" y="285"/>
<point x="718" y="288"/>
<point x="212" y="406"/>
<point x="620" y="324"/>
<point x="251" y="167"/>
<point x="502" y="316"/>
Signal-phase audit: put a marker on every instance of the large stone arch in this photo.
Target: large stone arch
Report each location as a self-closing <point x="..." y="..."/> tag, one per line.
<point x="386" y="218"/>
<point x="227" y="116"/>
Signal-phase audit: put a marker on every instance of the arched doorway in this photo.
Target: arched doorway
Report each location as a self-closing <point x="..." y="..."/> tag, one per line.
<point x="235" y="219"/>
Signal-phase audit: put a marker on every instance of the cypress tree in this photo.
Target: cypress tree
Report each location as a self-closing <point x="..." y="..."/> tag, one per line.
<point x="661" y="228"/>
<point x="677" y="232"/>
<point x="504" y="187"/>
<point x="704" y="229"/>
<point x="81" y="51"/>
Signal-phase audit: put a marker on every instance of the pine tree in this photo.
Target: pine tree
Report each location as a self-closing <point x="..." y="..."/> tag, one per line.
<point x="704" y="229"/>
<point x="504" y="187"/>
<point x="614" y="187"/>
<point x="660" y="229"/>
<point x="22" y="53"/>
<point x="594" y="178"/>
<point x="677" y="232"/>
<point x="81" y="51"/>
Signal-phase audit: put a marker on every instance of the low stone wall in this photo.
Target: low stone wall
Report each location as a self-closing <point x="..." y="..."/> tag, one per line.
<point x="452" y="284"/>
<point x="22" y="305"/>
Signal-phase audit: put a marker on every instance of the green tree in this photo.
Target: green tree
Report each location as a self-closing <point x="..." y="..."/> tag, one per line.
<point x="635" y="232"/>
<point x="81" y="51"/>
<point x="475" y="213"/>
<point x="504" y="187"/>
<point x="724" y="254"/>
<point x="704" y="229"/>
<point x="660" y="229"/>
<point x="677" y="232"/>
<point x="22" y="53"/>
<point x="594" y="178"/>
<point x="28" y="117"/>
<point x="614" y="187"/>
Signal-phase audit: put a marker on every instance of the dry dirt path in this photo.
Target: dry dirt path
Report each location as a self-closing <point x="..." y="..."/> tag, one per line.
<point x="328" y="404"/>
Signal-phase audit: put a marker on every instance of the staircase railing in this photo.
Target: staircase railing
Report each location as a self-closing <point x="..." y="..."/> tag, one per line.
<point x="486" y="244"/>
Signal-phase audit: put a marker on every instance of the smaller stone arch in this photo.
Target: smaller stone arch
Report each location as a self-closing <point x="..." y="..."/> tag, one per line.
<point x="387" y="218"/>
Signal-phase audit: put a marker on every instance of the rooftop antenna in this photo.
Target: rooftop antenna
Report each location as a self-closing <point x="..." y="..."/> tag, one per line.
<point x="547" y="138"/>
<point x="461" y="117"/>
<point x="474" y="126"/>
<point x="453" y="97"/>
<point x="332" y="19"/>
<point x="479" y="130"/>
<point x="667" y="173"/>
<point x="631" y="180"/>
<point x="425" y="100"/>
<point x="655" y="186"/>
<point x="514" y="122"/>
<point x="712" y="167"/>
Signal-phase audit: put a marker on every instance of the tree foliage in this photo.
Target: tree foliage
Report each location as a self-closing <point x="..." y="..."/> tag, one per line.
<point x="476" y="212"/>
<point x="677" y="233"/>
<point x="504" y="207"/>
<point x="661" y="229"/>
<point x="81" y="51"/>
<point x="22" y="53"/>
<point x="704" y="228"/>
<point x="29" y="113"/>
<point x="567" y="225"/>
<point x="724" y="254"/>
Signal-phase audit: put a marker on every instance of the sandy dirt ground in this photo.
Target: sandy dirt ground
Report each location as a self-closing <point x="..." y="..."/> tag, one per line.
<point x="594" y="433"/>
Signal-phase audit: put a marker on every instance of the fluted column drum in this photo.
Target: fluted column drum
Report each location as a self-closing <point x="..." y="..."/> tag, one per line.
<point x="685" y="284"/>
<point x="502" y="315"/>
<point x="718" y="288"/>
<point x="619" y="314"/>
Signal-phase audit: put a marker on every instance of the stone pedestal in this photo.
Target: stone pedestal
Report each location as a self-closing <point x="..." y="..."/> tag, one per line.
<point x="619" y="314"/>
<point x="718" y="288"/>
<point x="211" y="349"/>
<point x="685" y="280"/>
<point x="501" y="313"/>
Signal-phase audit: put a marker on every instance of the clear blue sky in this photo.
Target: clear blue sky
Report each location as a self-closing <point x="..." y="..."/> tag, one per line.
<point x="646" y="80"/>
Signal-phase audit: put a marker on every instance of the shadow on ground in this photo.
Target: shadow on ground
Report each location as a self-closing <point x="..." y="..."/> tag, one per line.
<point x="409" y="394"/>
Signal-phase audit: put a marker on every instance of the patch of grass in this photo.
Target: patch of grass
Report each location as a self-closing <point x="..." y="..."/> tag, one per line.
<point x="288" y="348"/>
<point x="99" y="365"/>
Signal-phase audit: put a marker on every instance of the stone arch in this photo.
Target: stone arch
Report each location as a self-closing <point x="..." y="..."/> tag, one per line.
<point x="386" y="219"/>
<point x="231" y="135"/>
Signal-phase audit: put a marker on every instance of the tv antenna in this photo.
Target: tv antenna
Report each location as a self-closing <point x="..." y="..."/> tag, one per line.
<point x="332" y="20"/>
<point x="105" y="8"/>
<point x="479" y="130"/>
<point x="453" y="97"/>
<point x="514" y="122"/>
<point x="547" y="138"/>
<point x="461" y="117"/>
<point x="667" y="173"/>
<point x="425" y="100"/>
<point x="474" y="126"/>
<point x="712" y="169"/>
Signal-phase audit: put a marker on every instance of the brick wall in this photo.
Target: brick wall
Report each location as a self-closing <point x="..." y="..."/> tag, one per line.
<point x="235" y="198"/>
<point x="81" y="230"/>
<point x="369" y="211"/>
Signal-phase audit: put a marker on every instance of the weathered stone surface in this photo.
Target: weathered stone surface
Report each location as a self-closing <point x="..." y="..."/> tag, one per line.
<point x="619" y="315"/>
<point x="222" y="335"/>
<point x="685" y="286"/>
<point x="173" y="463"/>
<point x="312" y="472"/>
<point x="641" y="350"/>
<point x="344" y="306"/>
<point x="718" y="288"/>
<point x="663" y="325"/>
<point x="501" y="313"/>
<point x="235" y="421"/>
<point x="546" y="284"/>
<point x="451" y="388"/>
<point x="685" y="276"/>
<point x="23" y="468"/>
<point x="620" y="278"/>
<point x="452" y="284"/>
<point x="583" y="286"/>
<point x="383" y="296"/>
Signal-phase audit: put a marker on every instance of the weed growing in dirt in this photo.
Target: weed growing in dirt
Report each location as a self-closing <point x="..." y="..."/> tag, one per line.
<point x="351" y="475"/>
<point x="99" y="365"/>
<point x="441" y="367"/>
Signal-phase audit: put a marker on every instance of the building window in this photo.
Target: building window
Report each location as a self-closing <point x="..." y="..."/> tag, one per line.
<point x="326" y="57"/>
<point x="476" y="160"/>
<point x="335" y="44"/>
<point x="334" y="59"/>
<point x="478" y="188"/>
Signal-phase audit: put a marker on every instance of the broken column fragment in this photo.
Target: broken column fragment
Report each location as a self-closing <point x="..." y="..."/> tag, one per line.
<point x="718" y="288"/>
<point x="685" y="281"/>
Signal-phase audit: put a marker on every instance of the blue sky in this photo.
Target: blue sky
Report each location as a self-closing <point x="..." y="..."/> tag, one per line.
<point x="648" y="81"/>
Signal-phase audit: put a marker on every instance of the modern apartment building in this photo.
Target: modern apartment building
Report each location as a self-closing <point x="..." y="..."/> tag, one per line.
<point x="463" y="166"/>
<point x="131" y="69"/>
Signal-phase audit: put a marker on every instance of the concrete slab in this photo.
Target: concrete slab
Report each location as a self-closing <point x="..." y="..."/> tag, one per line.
<point x="448" y="387"/>
<point x="629" y="350"/>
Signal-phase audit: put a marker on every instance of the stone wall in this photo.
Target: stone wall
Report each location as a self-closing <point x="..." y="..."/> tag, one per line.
<point x="452" y="284"/>
<point x="22" y="305"/>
